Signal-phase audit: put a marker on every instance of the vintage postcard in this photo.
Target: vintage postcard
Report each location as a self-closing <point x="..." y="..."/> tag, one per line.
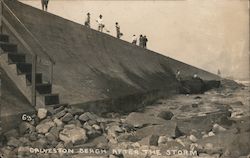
<point x="124" y="79"/>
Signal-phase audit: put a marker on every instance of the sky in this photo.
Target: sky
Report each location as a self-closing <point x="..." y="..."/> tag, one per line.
<point x="209" y="34"/>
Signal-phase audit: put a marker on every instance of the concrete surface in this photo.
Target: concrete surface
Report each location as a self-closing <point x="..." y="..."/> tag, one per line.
<point x="93" y="66"/>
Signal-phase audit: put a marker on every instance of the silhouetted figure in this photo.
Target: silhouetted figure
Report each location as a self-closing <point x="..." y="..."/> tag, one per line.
<point x="87" y="21"/>
<point x="45" y="4"/>
<point x="118" y="30"/>
<point x="100" y="23"/>
<point x="134" y="40"/>
<point x="141" y="41"/>
<point x="145" y="40"/>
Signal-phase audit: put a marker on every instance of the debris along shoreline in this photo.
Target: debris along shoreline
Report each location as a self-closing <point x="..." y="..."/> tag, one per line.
<point x="213" y="124"/>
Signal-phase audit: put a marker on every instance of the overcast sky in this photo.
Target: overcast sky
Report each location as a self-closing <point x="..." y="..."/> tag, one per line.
<point x="209" y="34"/>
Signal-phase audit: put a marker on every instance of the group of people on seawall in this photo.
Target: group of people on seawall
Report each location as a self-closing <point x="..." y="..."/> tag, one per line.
<point x="141" y="41"/>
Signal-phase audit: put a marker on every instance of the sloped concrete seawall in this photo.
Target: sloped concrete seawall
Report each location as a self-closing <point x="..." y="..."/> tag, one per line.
<point x="94" y="66"/>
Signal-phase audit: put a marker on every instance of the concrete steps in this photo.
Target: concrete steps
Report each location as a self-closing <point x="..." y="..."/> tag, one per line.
<point x="8" y="47"/>
<point x="44" y="88"/>
<point x="19" y="71"/>
<point x="23" y="68"/>
<point x="50" y="99"/>
<point x="39" y="78"/>
<point x="16" y="58"/>
<point x="4" y="38"/>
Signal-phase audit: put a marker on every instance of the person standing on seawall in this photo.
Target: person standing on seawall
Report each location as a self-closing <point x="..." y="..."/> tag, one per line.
<point x="118" y="30"/>
<point x="45" y="4"/>
<point x="100" y="23"/>
<point x="87" y="21"/>
<point x="145" y="40"/>
<point x="141" y="41"/>
<point x="134" y="40"/>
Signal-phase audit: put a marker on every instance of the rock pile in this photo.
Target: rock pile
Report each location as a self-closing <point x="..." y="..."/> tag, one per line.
<point x="164" y="132"/>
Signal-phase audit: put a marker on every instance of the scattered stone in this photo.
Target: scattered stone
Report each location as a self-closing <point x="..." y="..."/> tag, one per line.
<point x="211" y="134"/>
<point x="240" y="144"/>
<point x="58" y="122"/>
<point x="74" y="135"/>
<point x="35" y="120"/>
<point x="211" y="84"/>
<point x="87" y="126"/>
<point x="211" y="149"/>
<point x="11" y="133"/>
<point x="191" y="85"/>
<point x="96" y="127"/>
<point x="40" y="143"/>
<point x="217" y="128"/>
<point x="171" y="145"/>
<point x="53" y="144"/>
<point x="183" y="142"/>
<point x="170" y="128"/>
<point x="166" y="115"/>
<point x="67" y="117"/>
<point x="162" y="140"/>
<point x="84" y="117"/>
<point x="13" y="142"/>
<point x="42" y="113"/>
<point x="243" y="126"/>
<point x="68" y="145"/>
<point x="197" y="97"/>
<point x="76" y="111"/>
<point x="139" y="120"/>
<point x="60" y="114"/>
<point x="50" y="137"/>
<point x="44" y="127"/>
<point x="33" y="136"/>
<point x="127" y="137"/>
<point x="88" y="116"/>
<point x="151" y="140"/>
<point x="205" y="121"/>
<point x="26" y="127"/>
<point x="57" y="110"/>
<point x="237" y="103"/>
<point x="92" y="122"/>
<point x="60" y="145"/>
<point x="192" y="138"/>
<point x="23" y="151"/>
<point x="6" y="151"/>
<point x="24" y="141"/>
<point x="114" y="129"/>
<point x="205" y="136"/>
<point x="93" y="133"/>
<point x="78" y="123"/>
<point x="239" y="113"/>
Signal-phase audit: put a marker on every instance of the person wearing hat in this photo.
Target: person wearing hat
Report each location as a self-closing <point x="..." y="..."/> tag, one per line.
<point x="141" y="41"/>
<point x="100" y="23"/>
<point x="87" y="21"/>
<point x="134" y="40"/>
<point x="118" y="31"/>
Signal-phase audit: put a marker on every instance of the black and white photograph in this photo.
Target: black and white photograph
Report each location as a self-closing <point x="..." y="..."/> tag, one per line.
<point x="124" y="79"/>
